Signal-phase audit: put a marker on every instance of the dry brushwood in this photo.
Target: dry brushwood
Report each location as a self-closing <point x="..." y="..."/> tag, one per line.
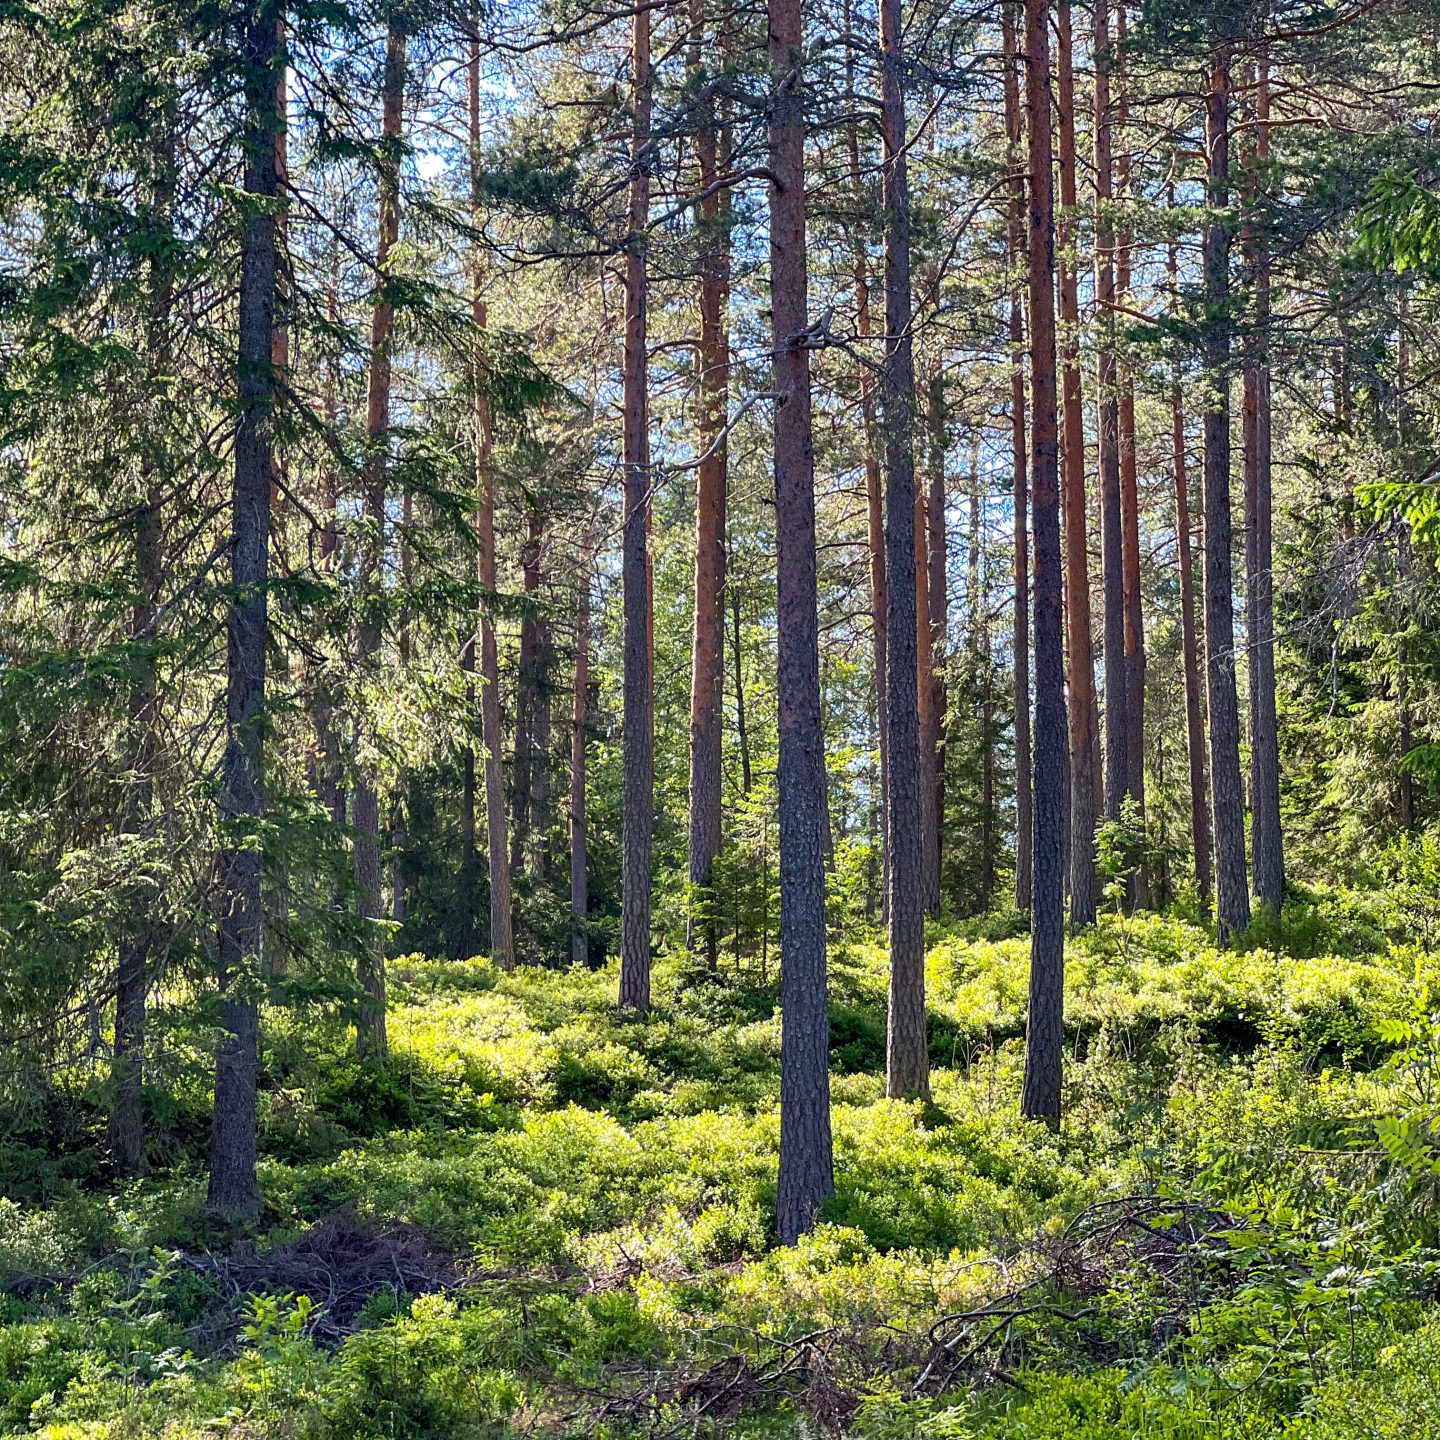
<point x="1177" y="1244"/>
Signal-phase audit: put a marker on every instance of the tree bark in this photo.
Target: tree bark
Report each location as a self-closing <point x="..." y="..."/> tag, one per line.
<point x="1189" y="642"/>
<point x="1117" y="744"/>
<point x="1044" y="1027"/>
<point x="707" y="690"/>
<point x="234" y="1192"/>
<point x="1232" y="900"/>
<point x="1267" y="852"/>
<point x="1024" y="801"/>
<point x="125" y="1131"/>
<point x="502" y="935"/>
<point x="1134" y="626"/>
<point x="926" y="718"/>
<point x="807" y="1176"/>
<point x="907" y="1061"/>
<point x="1084" y="724"/>
<point x="639" y="779"/>
<point x="579" y="720"/>
<point x="932" y="738"/>
<point x="371" y="1042"/>
<point x="527" y="696"/>
<point x="875" y="531"/>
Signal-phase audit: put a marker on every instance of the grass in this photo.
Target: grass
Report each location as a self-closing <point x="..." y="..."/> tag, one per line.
<point x="592" y="1194"/>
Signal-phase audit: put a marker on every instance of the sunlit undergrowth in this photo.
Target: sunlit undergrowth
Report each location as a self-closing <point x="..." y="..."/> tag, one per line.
<point x="543" y="1217"/>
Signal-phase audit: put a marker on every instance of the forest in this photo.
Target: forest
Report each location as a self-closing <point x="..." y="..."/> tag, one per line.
<point x="718" y="718"/>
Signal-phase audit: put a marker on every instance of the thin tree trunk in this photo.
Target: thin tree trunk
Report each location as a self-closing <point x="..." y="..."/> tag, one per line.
<point x="1189" y="642"/>
<point x="1232" y="900"/>
<point x="874" y="513"/>
<point x="978" y="641"/>
<point x="502" y="934"/>
<point x="1024" y="801"/>
<point x="527" y="696"/>
<point x="707" y="689"/>
<point x="927" y="723"/>
<point x="125" y="1131"/>
<point x="639" y="778"/>
<point x="1044" y="1027"/>
<point x="1267" y="851"/>
<point x="1139" y="884"/>
<point x="907" y="1061"/>
<point x="742" y="732"/>
<point x="542" y="786"/>
<point x="933" y="739"/>
<point x="1084" y="723"/>
<point x="579" y="719"/>
<point x="234" y="1192"/>
<point x="807" y="1175"/>
<point x="370" y="1039"/>
<point x="1117" y="745"/>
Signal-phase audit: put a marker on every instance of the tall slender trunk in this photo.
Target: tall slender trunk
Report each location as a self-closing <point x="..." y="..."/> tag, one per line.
<point x="907" y="1061"/>
<point x="742" y="730"/>
<point x="502" y="934"/>
<point x="932" y="737"/>
<point x="807" y="1173"/>
<point x="1134" y="626"/>
<point x="1117" y="744"/>
<point x="926" y="719"/>
<point x="639" y="777"/>
<point x="1232" y="900"/>
<point x="1044" y="1026"/>
<point x="1084" y="723"/>
<point x="874" y="513"/>
<point x="707" y="671"/>
<point x="981" y="675"/>
<point x="1024" y="801"/>
<point x="370" y="1040"/>
<point x="1267" y="853"/>
<point x="125" y="1130"/>
<point x="1189" y="642"/>
<point x="579" y="720"/>
<point x="331" y="789"/>
<point x="234" y="1192"/>
<point x="527" y="694"/>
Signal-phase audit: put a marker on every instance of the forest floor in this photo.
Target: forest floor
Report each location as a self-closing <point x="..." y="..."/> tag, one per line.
<point x="544" y="1218"/>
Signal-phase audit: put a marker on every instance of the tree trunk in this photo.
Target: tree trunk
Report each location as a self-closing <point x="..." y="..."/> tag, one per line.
<point x="742" y="732"/>
<point x="502" y="935"/>
<point x="370" y="1040"/>
<point x="125" y="1132"/>
<point x="1189" y="643"/>
<point x="927" y="721"/>
<point x="807" y="1175"/>
<point x="579" y="719"/>
<point x="1117" y="744"/>
<point x="874" y="512"/>
<point x="1044" y="1028"/>
<point x="1084" y="724"/>
<point x="639" y="779"/>
<point x="527" y="696"/>
<point x="234" y="1193"/>
<point x="1267" y="851"/>
<point x="1134" y="627"/>
<point x="907" y="1061"/>
<point x="1232" y="900"/>
<point x="1024" y="802"/>
<point x="982" y="674"/>
<point x="707" y="689"/>
<point x="933" y="738"/>
<point x="542" y="787"/>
